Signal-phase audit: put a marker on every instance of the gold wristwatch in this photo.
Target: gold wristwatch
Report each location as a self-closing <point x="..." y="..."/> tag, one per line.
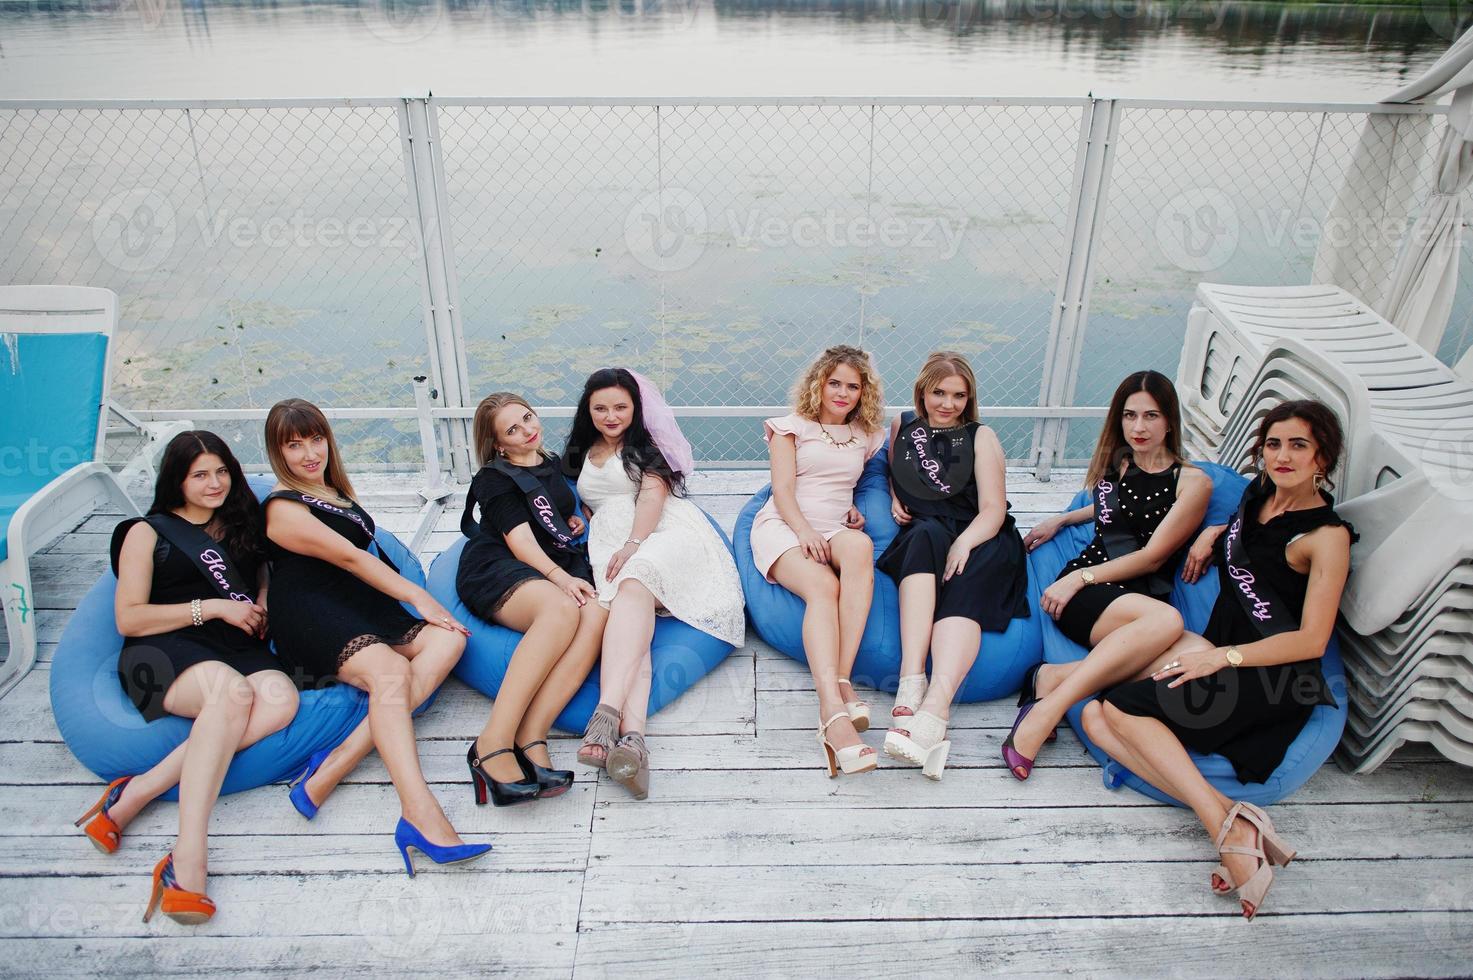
<point x="1234" y="658"/>
<point x="1087" y="575"/>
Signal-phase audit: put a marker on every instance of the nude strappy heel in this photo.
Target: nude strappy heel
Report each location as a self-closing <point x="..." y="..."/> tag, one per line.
<point x="1275" y="848"/>
<point x="1252" y="892"/>
<point x="909" y="693"/>
<point x="922" y="742"/>
<point x="858" y="710"/>
<point x="855" y="758"/>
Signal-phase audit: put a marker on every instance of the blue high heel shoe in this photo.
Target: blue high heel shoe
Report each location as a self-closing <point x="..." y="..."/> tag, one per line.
<point x="407" y="835"/>
<point x="299" y="796"/>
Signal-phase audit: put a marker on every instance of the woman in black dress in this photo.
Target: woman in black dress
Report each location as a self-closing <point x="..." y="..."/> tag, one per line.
<point x="523" y="568"/>
<point x="191" y="604"/>
<point x="958" y="559"/>
<point x="1112" y="598"/>
<point x="338" y="614"/>
<point x="1282" y="566"/>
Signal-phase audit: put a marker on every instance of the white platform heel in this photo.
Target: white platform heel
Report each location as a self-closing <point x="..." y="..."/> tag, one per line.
<point x="855" y="758"/>
<point x="922" y="742"/>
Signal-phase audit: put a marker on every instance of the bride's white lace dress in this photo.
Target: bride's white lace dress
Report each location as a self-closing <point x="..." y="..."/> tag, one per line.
<point x="683" y="562"/>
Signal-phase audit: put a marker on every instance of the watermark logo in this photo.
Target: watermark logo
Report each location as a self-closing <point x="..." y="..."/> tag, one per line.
<point x="1447" y="459"/>
<point x="400" y="921"/>
<point x="666" y="231"/>
<point x="1449" y="18"/>
<point x="135" y="230"/>
<point x="401" y="21"/>
<point x="1198" y="229"/>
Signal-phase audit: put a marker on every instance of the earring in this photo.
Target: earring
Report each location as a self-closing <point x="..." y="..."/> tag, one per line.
<point x="1319" y="480"/>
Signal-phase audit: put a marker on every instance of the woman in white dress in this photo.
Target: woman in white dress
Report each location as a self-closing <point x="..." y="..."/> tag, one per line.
<point x="653" y="552"/>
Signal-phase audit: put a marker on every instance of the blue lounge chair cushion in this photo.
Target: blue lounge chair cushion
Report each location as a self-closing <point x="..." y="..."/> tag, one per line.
<point x="1306" y="754"/>
<point x="50" y="397"/>
<point x="778" y="614"/>
<point x="680" y="654"/>
<point x="107" y="734"/>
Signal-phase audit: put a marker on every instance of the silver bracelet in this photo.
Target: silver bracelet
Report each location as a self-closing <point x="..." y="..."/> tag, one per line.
<point x="195" y="613"/>
<point x="634" y="540"/>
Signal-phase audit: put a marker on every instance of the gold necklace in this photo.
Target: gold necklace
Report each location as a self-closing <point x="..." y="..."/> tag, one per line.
<point x="839" y="445"/>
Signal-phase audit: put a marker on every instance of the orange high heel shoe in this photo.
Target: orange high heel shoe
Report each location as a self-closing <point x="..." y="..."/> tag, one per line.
<point x="104" y="833"/>
<point x="186" y="907"/>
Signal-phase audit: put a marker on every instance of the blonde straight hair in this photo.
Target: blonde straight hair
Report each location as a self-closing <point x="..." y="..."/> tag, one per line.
<point x="296" y="418"/>
<point x="483" y="427"/>
<point x="938" y="367"/>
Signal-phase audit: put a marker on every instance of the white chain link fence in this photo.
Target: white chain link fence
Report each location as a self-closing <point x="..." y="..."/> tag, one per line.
<point x="302" y="248"/>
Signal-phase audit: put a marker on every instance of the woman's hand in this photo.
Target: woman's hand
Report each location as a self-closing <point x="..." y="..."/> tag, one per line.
<point x="430" y="610"/>
<point x="814" y="546"/>
<point x="1190" y="666"/>
<point x="853" y="519"/>
<point x="247" y="617"/>
<point x="1199" y="557"/>
<point x="576" y="525"/>
<point x="618" y="558"/>
<point x="1057" y="595"/>
<point x="899" y="511"/>
<point x="956" y="559"/>
<point x="1043" y="531"/>
<point x="575" y="588"/>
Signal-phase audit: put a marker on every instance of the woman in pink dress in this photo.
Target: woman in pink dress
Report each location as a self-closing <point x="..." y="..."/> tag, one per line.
<point x="809" y="537"/>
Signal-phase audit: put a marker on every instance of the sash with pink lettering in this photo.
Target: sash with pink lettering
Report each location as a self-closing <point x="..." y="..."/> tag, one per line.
<point x="1265" y="609"/>
<point x="931" y="464"/>
<point x="1118" y="537"/>
<point x="355" y="514"/>
<point x="207" y="554"/>
<point x="539" y="508"/>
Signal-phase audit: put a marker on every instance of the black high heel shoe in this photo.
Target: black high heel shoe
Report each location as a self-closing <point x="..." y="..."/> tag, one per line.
<point x="502" y="794"/>
<point x="550" y="782"/>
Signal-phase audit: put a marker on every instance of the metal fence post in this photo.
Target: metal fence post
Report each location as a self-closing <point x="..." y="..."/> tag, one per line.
<point x="1098" y="131"/>
<point x="425" y="171"/>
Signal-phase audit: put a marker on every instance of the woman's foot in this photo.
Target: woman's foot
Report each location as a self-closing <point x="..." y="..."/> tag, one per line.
<point x="1249" y="871"/>
<point x="841" y="734"/>
<point x="430" y="820"/>
<point x="600" y="735"/>
<point x="501" y="767"/>
<point x="190" y="871"/>
<point x="1030" y="734"/>
<point x="909" y="693"/>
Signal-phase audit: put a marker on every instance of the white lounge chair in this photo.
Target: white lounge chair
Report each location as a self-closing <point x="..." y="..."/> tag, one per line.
<point x="53" y="402"/>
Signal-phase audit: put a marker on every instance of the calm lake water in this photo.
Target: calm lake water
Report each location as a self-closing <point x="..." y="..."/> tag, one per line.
<point x="265" y="254"/>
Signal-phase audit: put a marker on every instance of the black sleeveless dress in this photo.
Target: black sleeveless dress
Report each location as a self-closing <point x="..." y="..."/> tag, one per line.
<point x="1249" y="715"/>
<point x="1145" y="500"/>
<point x="321" y="614"/>
<point x="489" y="573"/>
<point x="149" y="665"/>
<point x="992" y="590"/>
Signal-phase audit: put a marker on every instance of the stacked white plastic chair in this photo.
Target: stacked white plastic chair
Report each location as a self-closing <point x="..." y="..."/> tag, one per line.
<point x="1405" y="482"/>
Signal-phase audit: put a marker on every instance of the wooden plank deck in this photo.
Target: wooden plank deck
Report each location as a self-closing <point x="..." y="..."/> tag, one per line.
<point x="745" y="860"/>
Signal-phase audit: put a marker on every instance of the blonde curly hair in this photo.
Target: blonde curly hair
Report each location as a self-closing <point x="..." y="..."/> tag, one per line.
<point x="808" y="395"/>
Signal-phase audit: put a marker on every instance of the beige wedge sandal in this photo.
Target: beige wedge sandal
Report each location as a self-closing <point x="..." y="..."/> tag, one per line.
<point x="920" y="740"/>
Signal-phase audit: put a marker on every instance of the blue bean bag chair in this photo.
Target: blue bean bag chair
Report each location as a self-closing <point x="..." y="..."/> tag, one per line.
<point x="107" y="734"/>
<point x="778" y="614"/>
<point x="680" y="654"/>
<point x="1305" y="755"/>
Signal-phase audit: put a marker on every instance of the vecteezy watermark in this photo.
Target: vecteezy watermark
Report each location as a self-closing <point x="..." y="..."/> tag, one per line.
<point x="35" y="459"/>
<point x="135" y="230"/>
<point x="1447" y="459"/>
<point x="1449" y="18"/>
<point x="671" y="230"/>
<point x="138" y="230"/>
<point x="401" y="21"/>
<point x="1198" y="229"/>
<point x="400" y="919"/>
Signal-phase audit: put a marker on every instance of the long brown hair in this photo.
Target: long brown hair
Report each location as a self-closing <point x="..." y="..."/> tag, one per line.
<point x="938" y="367"/>
<point x="297" y="418"/>
<point x="1111" y="448"/>
<point x="868" y="414"/>
<point x="483" y="427"/>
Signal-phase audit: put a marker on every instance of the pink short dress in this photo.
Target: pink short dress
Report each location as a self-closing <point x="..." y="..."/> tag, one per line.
<point x="825" y="485"/>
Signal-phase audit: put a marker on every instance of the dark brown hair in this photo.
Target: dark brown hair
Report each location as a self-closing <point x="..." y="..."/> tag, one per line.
<point x="1111" y="448"/>
<point x="1324" y="427"/>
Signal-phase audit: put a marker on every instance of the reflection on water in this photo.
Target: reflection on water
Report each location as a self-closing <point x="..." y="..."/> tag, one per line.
<point x="160" y="48"/>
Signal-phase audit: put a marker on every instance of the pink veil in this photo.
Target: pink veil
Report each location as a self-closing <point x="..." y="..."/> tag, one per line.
<point x="660" y="422"/>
